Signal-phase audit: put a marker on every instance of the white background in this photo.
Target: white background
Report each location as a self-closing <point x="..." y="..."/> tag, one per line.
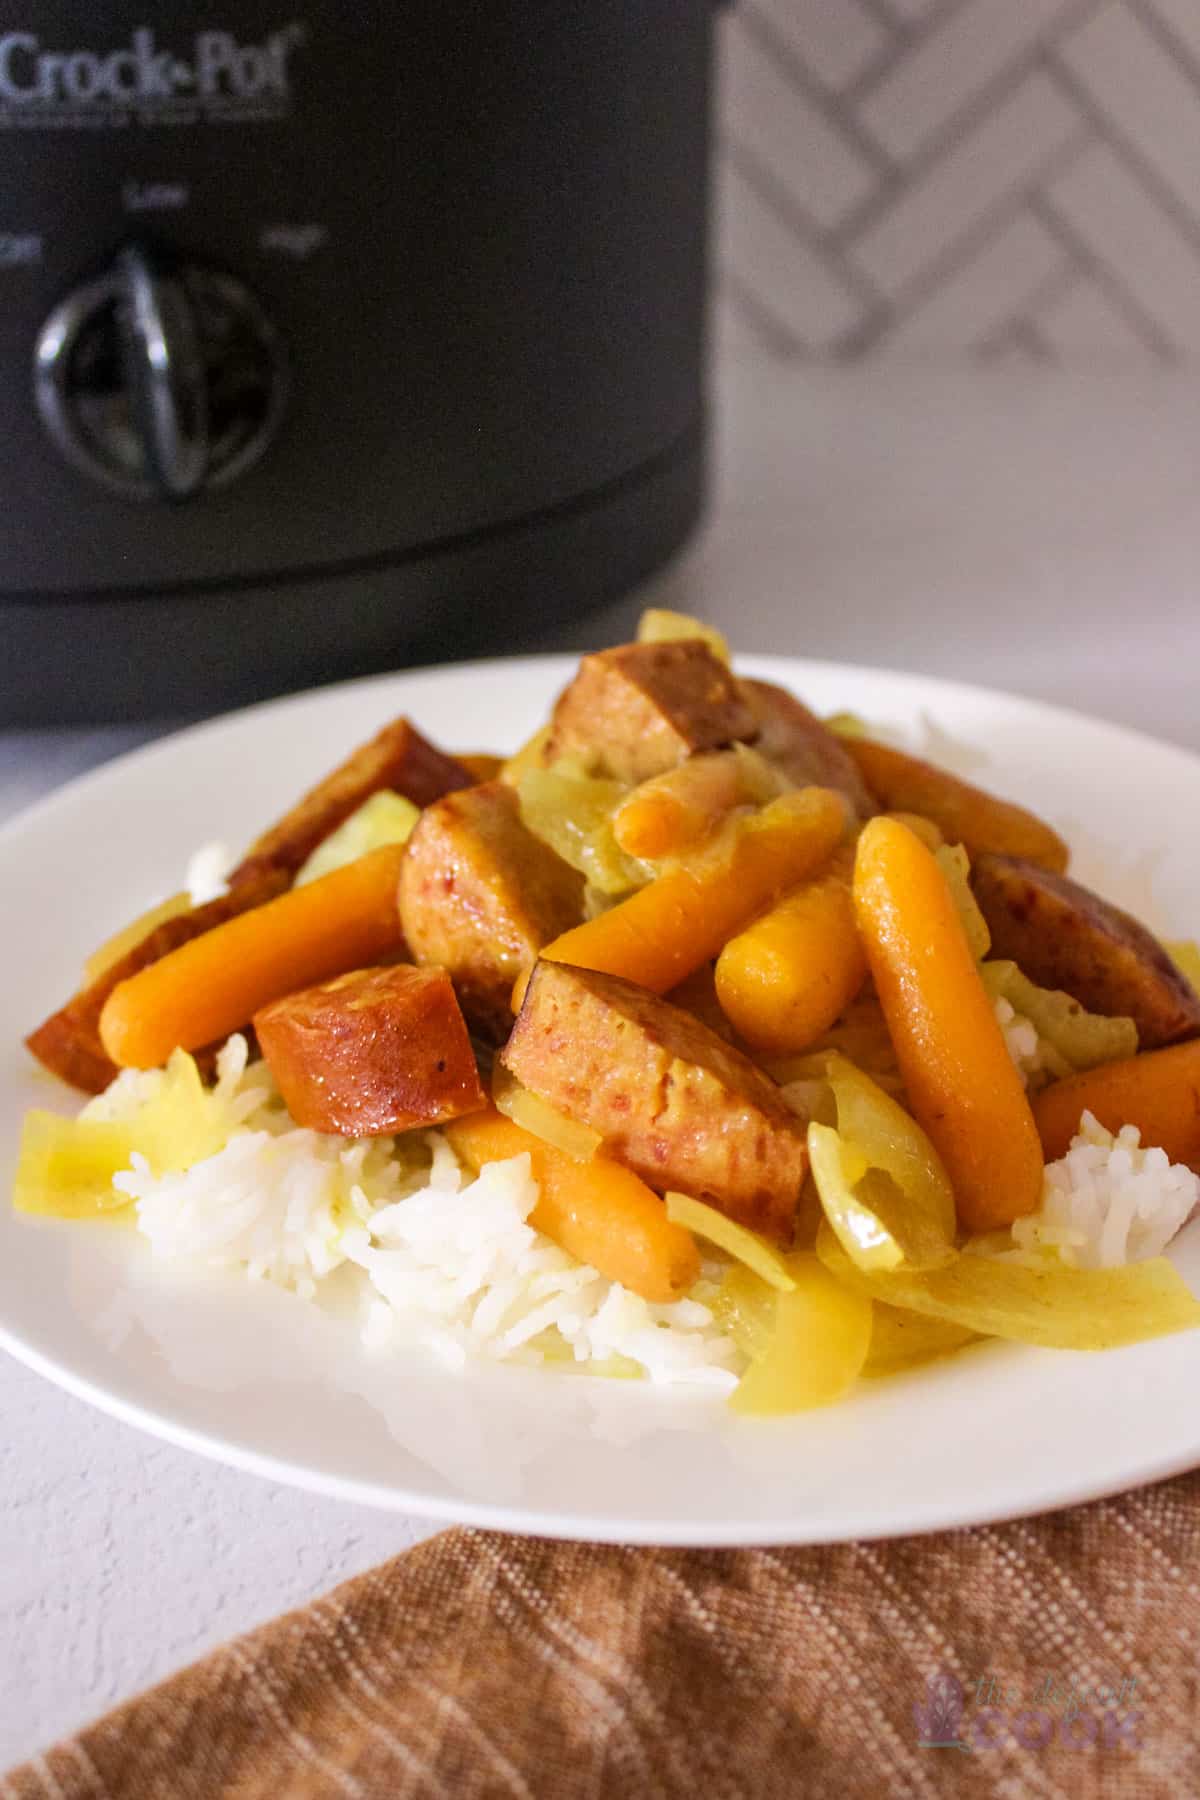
<point x="1013" y="180"/>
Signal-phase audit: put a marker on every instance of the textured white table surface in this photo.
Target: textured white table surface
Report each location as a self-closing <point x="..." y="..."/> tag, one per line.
<point x="1029" y="531"/>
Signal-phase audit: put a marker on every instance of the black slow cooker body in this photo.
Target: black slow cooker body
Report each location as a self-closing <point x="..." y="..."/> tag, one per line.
<point x="338" y="336"/>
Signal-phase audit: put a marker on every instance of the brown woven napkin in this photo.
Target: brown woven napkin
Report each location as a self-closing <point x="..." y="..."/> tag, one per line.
<point x="1050" y="1657"/>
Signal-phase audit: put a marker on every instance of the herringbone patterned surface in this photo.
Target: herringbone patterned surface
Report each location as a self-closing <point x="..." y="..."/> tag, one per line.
<point x="1002" y="178"/>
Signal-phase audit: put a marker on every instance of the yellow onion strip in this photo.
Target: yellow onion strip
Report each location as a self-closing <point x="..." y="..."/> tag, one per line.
<point x="1047" y="1304"/>
<point x="881" y="1183"/>
<point x="818" y="1343"/>
<point x="738" y="1241"/>
<point x="537" y="1116"/>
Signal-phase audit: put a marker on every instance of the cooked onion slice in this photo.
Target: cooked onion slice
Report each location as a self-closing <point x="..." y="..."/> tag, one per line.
<point x="537" y="1116"/>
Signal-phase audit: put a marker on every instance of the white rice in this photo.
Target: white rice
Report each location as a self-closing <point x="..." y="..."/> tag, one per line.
<point x="1108" y="1201"/>
<point x="434" y="1255"/>
<point x="439" y="1257"/>
<point x="241" y="1088"/>
<point x="1036" y="1061"/>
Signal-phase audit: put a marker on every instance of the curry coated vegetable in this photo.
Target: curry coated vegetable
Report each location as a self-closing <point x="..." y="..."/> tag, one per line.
<point x="1159" y="1092"/>
<point x="814" y="1348"/>
<point x="670" y="813"/>
<point x="597" y="1211"/>
<point x="961" y="1082"/>
<point x="963" y="813"/>
<point x="1050" y="1304"/>
<point x="881" y="1183"/>
<point x="738" y="1241"/>
<point x="65" y="1167"/>
<point x="785" y="979"/>
<point x="667" y="929"/>
<point x="215" y="984"/>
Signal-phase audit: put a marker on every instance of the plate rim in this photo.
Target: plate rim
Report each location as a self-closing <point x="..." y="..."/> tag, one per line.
<point x="581" y="1528"/>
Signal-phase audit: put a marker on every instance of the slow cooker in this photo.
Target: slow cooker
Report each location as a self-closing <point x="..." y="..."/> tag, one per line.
<point x="336" y="336"/>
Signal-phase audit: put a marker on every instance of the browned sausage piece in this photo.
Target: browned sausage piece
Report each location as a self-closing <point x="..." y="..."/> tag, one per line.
<point x="68" y="1042"/>
<point x="1064" y="936"/>
<point x="640" y="709"/>
<point x="398" y="757"/>
<point x="670" y="1100"/>
<point x="480" y="895"/>
<point x="801" y="746"/>
<point x="376" y="1051"/>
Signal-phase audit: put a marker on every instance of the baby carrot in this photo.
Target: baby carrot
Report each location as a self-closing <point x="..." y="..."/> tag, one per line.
<point x="214" y="984"/>
<point x="597" y="1211"/>
<point x="961" y="1082"/>
<point x="1159" y="1092"/>
<point x="964" y="814"/>
<point x="672" y="811"/>
<point x="784" y="980"/>
<point x="683" y="918"/>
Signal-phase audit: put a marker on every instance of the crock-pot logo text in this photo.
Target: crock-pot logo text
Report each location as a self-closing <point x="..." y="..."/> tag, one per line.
<point x="213" y="76"/>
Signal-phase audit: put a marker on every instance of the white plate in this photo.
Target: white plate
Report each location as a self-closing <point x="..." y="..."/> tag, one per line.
<point x="266" y="1383"/>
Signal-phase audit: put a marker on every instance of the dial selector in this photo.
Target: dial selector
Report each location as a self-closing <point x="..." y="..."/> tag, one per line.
<point x="160" y="378"/>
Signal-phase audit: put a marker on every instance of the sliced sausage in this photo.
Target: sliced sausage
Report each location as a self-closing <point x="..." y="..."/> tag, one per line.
<point x="480" y="895"/>
<point x="68" y="1042"/>
<point x="1064" y="936"/>
<point x="639" y="709"/>
<point x="377" y="1051"/>
<point x="397" y="757"/>
<point x="669" y="1099"/>
<point x="802" y="746"/>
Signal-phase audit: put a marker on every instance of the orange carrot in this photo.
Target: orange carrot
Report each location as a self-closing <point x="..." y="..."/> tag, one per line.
<point x="211" y="986"/>
<point x="964" y="814"/>
<point x="673" y="811"/>
<point x="684" y="917"/>
<point x="597" y="1211"/>
<point x="784" y="980"/>
<point x="1159" y="1092"/>
<point x="961" y="1081"/>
